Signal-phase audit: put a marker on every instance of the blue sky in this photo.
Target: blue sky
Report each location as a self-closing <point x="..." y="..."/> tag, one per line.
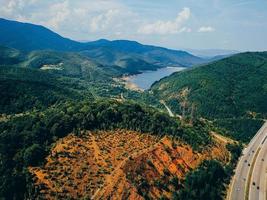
<point x="197" y="24"/>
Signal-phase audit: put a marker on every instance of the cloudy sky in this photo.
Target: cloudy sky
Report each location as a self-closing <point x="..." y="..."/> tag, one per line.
<point x="198" y="24"/>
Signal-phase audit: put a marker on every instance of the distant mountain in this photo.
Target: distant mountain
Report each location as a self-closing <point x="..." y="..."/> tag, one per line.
<point x="232" y="91"/>
<point x="114" y="51"/>
<point x="211" y="53"/>
<point x="28" y="37"/>
<point x="129" y="55"/>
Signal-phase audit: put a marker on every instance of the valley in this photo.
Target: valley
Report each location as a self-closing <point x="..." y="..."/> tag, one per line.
<point x="118" y="119"/>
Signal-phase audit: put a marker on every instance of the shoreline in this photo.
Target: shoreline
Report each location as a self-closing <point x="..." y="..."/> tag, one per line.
<point x="129" y="85"/>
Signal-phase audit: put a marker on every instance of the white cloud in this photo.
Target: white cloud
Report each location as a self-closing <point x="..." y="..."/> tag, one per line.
<point x="203" y="29"/>
<point x="58" y="13"/>
<point x="185" y="29"/>
<point x="103" y="21"/>
<point x="90" y="19"/>
<point x="168" y="27"/>
<point x="73" y="18"/>
<point x="9" y="8"/>
<point x="52" y="15"/>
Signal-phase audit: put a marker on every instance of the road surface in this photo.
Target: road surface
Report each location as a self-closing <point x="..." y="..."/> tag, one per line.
<point x="249" y="181"/>
<point x="168" y="109"/>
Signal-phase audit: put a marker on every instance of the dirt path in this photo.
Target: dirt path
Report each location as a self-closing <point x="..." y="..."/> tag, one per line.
<point x="222" y="138"/>
<point x="95" y="147"/>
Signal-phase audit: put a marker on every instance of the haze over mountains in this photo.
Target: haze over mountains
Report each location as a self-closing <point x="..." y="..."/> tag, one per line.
<point x="209" y="53"/>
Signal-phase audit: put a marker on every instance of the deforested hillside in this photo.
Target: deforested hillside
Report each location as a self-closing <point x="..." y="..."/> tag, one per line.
<point x="118" y="164"/>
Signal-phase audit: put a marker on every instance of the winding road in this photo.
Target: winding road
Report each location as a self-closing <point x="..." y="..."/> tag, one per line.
<point x="168" y="109"/>
<point x="250" y="179"/>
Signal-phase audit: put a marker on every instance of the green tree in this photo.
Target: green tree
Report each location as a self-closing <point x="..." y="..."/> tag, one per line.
<point x="33" y="154"/>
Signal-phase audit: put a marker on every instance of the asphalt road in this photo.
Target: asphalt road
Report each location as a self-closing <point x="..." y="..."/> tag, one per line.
<point x="250" y="179"/>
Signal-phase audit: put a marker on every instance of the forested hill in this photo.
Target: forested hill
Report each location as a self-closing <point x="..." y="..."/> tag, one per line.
<point x="234" y="88"/>
<point x="40" y="79"/>
<point x="123" y="53"/>
<point x="65" y="63"/>
<point x="118" y="52"/>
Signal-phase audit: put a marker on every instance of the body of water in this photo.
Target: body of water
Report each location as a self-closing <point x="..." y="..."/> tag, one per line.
<point x="147" y="78"/>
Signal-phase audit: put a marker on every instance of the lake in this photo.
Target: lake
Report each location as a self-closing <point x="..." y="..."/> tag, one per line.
<point x="147" y="78"/>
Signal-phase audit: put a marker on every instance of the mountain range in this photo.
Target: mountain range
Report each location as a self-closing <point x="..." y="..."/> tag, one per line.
<point x="122" y="53"/>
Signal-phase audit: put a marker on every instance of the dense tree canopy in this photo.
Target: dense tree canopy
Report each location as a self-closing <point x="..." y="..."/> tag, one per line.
<point x="232" y="91"/>
<point x="204" y="183"/>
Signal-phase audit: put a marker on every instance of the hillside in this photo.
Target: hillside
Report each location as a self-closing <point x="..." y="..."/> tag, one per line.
<point x="64" y="63"/>
<point x="40" y="79"/>
<point x="232" y="92"/>
<point x="118" y="164"/>
<point x="25" y="89"/>
<point x="129" y="55"/>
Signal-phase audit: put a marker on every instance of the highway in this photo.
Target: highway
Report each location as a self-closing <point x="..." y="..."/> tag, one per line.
<point x="250" y="179"/>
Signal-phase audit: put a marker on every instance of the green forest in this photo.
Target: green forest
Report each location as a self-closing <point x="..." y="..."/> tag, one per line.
<point x="40" y="106"/>
<point x="231" y="92"/>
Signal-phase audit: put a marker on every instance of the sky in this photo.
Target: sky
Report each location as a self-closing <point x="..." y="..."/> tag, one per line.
<point x="195" y="24"/>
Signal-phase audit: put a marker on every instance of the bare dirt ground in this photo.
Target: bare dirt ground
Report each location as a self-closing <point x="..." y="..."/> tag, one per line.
<point x="221" y="138"/>
<point x="117" y="164"/>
